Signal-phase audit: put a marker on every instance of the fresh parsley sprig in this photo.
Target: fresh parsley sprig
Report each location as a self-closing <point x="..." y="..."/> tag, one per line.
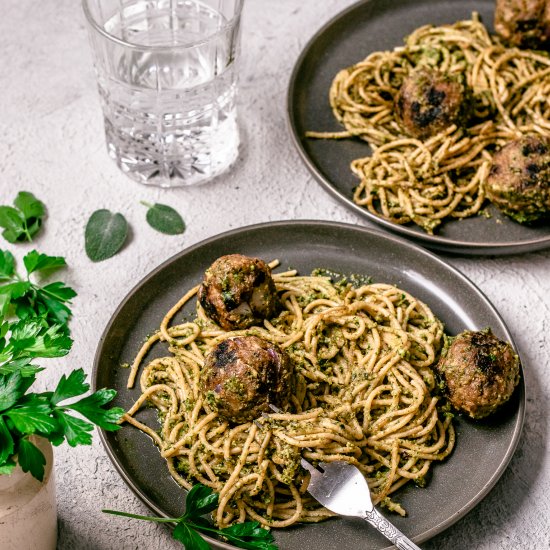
<point x="33" y="324"/>
<point x="202" y="500"/>
<point x="25" y="297"/>
<point x="48" y="415"/>
<point x="27" y="339"/>
<point x="22" y="220"/>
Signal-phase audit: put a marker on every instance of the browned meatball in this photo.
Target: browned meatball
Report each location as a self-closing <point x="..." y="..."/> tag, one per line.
<point x="430" y="101"/>
<point x="242" y="376"/>
<point x="238" y="292"/>
<point x="480" y="372"/>
<point x="519" y="179"/>
<point x="524" y="23"/>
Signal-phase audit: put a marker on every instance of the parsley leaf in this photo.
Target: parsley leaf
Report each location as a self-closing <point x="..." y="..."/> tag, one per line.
<point x="23" y="414"/>
<point x="191" y="540"/>
<point x="22" y="221"/>
<point x="6" y="442"/>
<point x="31" y="459"/>
<point x="40" y="331"/>
<point x="93" y="408"/>
<point x="8" y="467"/>
<point x="27" y="298"/>
<point x="201" y="500"/>
<point x="34" y="338"/>
<point x="33" y="415"/>
<point x="22" y="366"/>
<point x="41" y="262"/>
<point x="70" y="387"/>
<point x="12" y="388"/>
<point x="75" y="430"/>
<point x="7" y="265"/>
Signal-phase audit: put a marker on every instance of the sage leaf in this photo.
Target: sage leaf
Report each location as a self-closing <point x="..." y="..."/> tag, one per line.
<point x="105" y="234"/>
<point x="164" y="218"/>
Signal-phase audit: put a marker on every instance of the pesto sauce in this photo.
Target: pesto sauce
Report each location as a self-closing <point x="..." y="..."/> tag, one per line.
<point x="356" y="280"/>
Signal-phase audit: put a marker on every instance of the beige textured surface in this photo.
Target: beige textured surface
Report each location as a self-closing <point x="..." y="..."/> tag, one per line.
<point x="52" y="144"/>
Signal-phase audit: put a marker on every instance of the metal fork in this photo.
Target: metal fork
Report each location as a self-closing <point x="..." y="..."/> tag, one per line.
<point x="341" y="488"/>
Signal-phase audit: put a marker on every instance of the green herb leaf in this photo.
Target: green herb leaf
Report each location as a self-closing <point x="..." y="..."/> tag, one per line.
<point x="6" y="442"/>
<point x="16" y="290"/>
<point x="189" y="537"/>
<point x="33" y="415"/>
<point x="93" y="408"/>
<point x="249" y="530"/>
<point x="59" y="291"/>
<point x="12" y="388"/>
<point x="200" y="500"/>
<point x="22" y="222"/>
<point x="41" y="262"/>
<point x="56" y="310"/>
<point x="34" y="338"/>
<point x="29" y="205"/>
<point x="5" y="302"/>
<point x="22" y="366"/>
<point x="13" y="224"/>
<point x="54" y="297"/>
<point x="31" y="459"/>
<point x="75" y="430"/>
<point x="164" y="218"/>
<point x="28" y="299"/>
<point x="249" y="535"/>
<point x="71" y="386"/>
<point x="7" y="265"/>
<point x="8" y="467"/>
<point x="105" y="234"/>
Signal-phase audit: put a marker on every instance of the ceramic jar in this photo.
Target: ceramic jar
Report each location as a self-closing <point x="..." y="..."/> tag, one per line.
<point x="28" y="513"/>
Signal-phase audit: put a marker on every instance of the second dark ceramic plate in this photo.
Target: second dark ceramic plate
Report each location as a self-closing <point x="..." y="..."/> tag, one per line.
<point x="366" y="27"/>
<point x="455" y="487"/>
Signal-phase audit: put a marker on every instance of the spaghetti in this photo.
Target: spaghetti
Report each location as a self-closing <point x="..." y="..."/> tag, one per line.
<point x="362" y="392"/>
<point x="425" y="182"/>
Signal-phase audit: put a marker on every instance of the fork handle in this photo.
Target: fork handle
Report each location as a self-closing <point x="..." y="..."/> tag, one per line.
<point x="376" y="519"/>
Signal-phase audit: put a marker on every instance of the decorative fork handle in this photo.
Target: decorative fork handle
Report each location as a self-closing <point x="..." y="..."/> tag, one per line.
<point x="376" y="519"/>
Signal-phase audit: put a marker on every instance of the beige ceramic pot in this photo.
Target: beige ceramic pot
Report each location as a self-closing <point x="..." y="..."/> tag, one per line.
<point x="28" y="514"/>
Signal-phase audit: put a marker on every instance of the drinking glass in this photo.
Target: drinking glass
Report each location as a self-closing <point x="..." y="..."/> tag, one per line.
<point x="167" y="79"/>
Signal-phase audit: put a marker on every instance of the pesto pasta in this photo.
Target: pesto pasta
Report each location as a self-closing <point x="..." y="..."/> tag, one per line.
<point x="428" y="181"/>
<point x="362" y="391"/>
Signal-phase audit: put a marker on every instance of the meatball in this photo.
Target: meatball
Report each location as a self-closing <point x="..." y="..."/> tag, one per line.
<point x="430" y="101"/>
<point x="524" y="23"/>
<point x="242" y="376"/>
<point x="480" y="372"/>
<point x="238" y="292"/>
<point x="519" y="179"/>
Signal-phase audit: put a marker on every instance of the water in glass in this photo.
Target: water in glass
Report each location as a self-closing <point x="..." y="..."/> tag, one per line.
<point x="169" y="108"/>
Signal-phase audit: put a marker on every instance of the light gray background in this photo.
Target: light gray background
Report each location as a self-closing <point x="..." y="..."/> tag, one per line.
<point x="52" y="144"/>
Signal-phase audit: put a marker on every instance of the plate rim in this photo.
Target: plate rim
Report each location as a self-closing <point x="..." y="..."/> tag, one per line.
<point x="433" y="242"/>
<point x="426" y="535"/>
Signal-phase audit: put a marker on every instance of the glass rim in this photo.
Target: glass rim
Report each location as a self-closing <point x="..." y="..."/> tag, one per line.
<point x="101" y="30"/>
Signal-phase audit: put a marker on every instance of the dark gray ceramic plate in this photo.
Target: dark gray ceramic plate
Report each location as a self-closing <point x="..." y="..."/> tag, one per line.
<point x="349" y="37"/>
<point x="455" y="487"/>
